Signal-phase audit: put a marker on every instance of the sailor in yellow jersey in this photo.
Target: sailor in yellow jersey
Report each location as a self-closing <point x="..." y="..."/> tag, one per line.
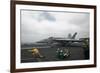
<point x="36" y="53"/>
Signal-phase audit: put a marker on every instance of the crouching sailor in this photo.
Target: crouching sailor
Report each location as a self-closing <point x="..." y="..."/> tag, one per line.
<point x="36" y="53"/>
<point x="63" y="53"/>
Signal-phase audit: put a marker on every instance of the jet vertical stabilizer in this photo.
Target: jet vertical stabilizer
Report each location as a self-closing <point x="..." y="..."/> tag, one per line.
<point x="74" y="35"/>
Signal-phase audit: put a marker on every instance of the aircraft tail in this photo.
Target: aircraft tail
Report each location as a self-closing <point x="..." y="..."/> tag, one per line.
<point x="74" y="35"/>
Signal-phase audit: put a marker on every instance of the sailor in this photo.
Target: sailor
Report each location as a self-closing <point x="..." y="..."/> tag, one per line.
<point x="58" y="50"/>
<point x="67" y="52"/>
<point x="60" y="53"/>
<point x="36" y="53"/>
<point x="63" y="53"/>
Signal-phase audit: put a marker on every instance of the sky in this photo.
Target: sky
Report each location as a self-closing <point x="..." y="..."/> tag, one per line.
<point x="39" y="25"/>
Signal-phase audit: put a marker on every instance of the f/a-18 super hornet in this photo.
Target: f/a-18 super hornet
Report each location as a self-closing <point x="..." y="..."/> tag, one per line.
<point x="66" y="41"/>
<point x="60" y="41"/>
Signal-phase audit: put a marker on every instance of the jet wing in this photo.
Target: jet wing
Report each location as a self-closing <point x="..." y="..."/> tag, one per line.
<point x="67" y="40"/>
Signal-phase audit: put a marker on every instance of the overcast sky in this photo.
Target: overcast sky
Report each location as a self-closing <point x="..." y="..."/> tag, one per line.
<point x="38" y="25"/>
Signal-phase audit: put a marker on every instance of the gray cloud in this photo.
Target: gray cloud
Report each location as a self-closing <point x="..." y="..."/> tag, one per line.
<point x="37" y="25"/>
<point x="46" y="16"/>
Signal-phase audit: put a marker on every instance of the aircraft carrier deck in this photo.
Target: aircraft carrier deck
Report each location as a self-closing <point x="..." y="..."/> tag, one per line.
<point x="77" y="53"/>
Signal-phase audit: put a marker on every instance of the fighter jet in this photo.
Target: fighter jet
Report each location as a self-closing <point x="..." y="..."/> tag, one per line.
<point x="59" y="41"/>
<point x="65" y="41"/>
